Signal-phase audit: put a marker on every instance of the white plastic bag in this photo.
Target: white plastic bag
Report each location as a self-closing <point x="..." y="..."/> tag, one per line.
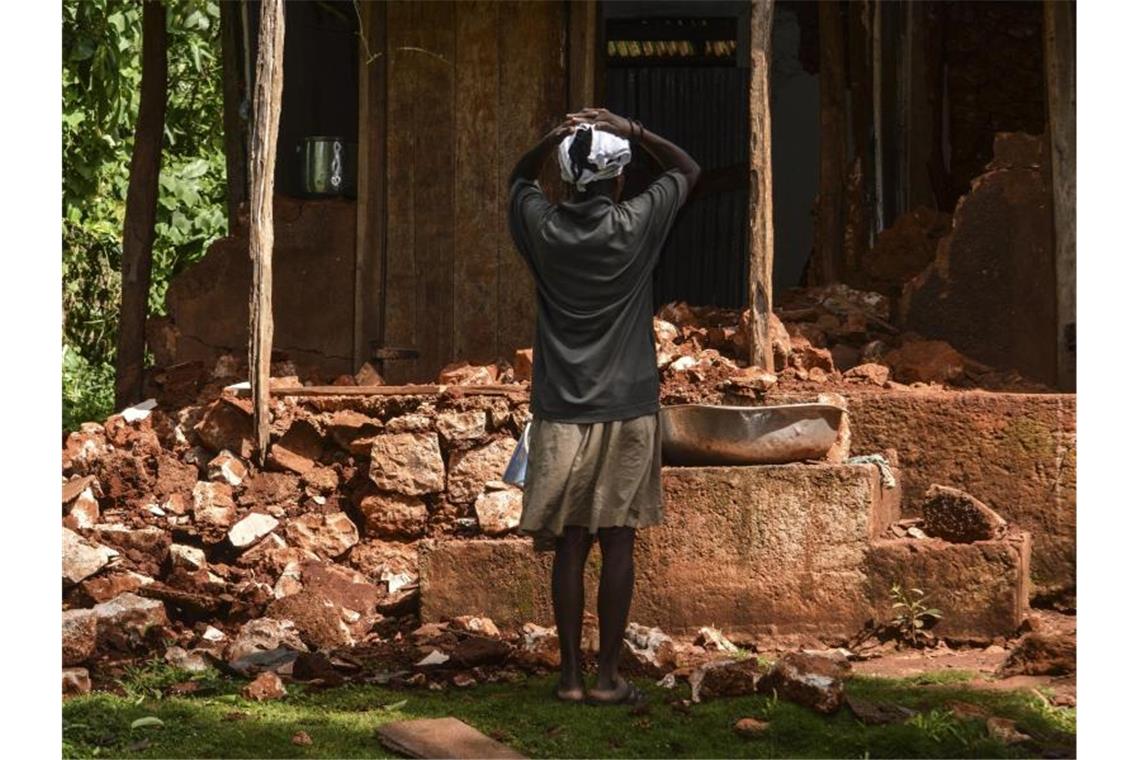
<point x="516" y="468"/>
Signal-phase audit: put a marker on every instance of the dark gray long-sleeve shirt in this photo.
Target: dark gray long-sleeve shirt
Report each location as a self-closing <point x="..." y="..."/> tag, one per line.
<point x="592" y="262"/>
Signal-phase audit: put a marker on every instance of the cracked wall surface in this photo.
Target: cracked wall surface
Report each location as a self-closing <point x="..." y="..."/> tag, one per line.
<point x="313" y="299"/>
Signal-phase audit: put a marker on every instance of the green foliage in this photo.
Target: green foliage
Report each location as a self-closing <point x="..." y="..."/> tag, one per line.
<point x="912" y="615"/>
<point x="88" y="390"/>
<point x="937" y="724"/>
<point x="102" y="43"/>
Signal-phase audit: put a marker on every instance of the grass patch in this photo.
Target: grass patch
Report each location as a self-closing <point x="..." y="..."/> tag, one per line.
<point x="217" y="722"/>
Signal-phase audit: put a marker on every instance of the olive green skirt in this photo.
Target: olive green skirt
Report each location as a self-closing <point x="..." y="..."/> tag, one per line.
<point x="591" y="474"/>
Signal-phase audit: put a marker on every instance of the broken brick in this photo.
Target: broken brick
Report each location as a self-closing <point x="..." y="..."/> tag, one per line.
<point x="227" y="468"/>
<point x="499" y="512"/>
<point x="469" y="471"/>
<point x="328" y="536"/>
<point x="407" y="463"/>
<point x="82" y="558"/>
<point x="393" y="515"/>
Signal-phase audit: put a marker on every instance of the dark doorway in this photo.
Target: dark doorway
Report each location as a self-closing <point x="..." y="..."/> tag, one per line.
<point x="794" y="108"/>
<point x="320" y="85"/>
<point x="682" y="69"/>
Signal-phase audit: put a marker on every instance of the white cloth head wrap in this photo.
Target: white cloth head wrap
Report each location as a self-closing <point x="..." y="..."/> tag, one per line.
<point x="608" y="152"/>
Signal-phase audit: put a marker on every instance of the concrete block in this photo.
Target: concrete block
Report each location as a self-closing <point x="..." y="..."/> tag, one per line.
<point x="751" y="550"/>
<point x="981" y="588"/>
<point x="1016" y="452"/>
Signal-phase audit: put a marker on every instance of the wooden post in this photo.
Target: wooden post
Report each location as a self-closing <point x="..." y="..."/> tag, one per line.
<point x="370" y="182"/>
<point x="142" y="207"/>
<point x="262" y="159"/>
<point x="1061" y="82"/>
<point x="857" y="224"/>
<point x="832" y="143"/>
<point x="582" y="52"/>
<point x="233" y="127"/>
<point x="762" y="233"/>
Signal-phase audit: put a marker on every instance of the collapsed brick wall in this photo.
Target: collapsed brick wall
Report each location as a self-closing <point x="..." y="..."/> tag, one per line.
<point x="170" y="530"/>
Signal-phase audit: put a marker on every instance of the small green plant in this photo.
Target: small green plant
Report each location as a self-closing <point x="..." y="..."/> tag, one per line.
<point x="937" y="725"/>
<point x="768" y="705"/>
<point x="150" y="680"/>
<point x="912" y="616"/>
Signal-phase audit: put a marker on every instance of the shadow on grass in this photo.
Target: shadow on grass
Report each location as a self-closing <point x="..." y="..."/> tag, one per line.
<point x="342" y="723"/>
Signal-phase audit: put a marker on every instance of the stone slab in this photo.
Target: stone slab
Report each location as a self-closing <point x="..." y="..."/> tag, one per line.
<point x="1016" y="452"/>
<point x="751" y="550"/>
<point x="981" y="588"/>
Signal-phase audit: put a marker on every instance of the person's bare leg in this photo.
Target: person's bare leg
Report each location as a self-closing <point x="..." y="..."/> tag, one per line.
<point x="615" y="590"/>
<point x="569" y="596"/>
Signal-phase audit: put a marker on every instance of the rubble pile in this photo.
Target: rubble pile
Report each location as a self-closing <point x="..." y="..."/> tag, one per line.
<point x="175" y="540"/>
<point x="823" y="338"/>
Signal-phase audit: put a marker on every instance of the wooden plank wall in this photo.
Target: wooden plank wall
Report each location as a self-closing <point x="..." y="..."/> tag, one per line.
<point x="471" y="85"/>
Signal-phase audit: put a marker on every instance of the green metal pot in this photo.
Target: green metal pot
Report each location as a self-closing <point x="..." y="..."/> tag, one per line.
<point x="328" y="166"/>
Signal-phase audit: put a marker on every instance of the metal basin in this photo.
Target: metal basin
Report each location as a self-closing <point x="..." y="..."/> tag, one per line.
<point x="703" y="434"/>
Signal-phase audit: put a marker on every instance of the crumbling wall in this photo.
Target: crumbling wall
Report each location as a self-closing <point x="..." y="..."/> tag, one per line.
<point x="313" y="264"/>
<point x="1014" y="451"/>
<point x="991" y="289"/>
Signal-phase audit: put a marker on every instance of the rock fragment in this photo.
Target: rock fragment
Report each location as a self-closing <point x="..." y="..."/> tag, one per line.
<point x="724" y="678"/>
<point x="750" y="728"/>
<point x="407" y="463"/>
<point x="1042" y="654"/>
<point x="76" y="682"/>
<point x="393" y="515"/>
<point x="262" y="635"/>
<point x="251" y="529"/>
<point x="82" y="558"/>
<point x="811" y="680"/>
<point x="469" y="471"/>
<point x="458" y="427"/>
<point x="128" y="622"/>
<point x="266" y="686"/>
<point x="78" y="636"/>
<point x="189" y="558"/>
<point x="328" y="535"/>
<point x="227" y="468"/>
<point x="958" y="517"/>
<point x="214" y="511"/>
<point x="650" y="648"/>
<point x="499" y="512"/>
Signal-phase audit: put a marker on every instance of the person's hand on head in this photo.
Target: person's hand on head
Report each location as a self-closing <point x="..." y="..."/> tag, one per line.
<point x="604" y="120"/>
<point x="565" y="128"/>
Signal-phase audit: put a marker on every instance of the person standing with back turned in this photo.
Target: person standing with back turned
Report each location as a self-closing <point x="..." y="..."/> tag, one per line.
<point x="594" y="468"/>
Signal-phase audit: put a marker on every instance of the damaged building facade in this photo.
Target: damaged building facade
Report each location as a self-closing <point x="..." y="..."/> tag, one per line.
<point x="887" y="192"/>
<point x="893" y="125"/>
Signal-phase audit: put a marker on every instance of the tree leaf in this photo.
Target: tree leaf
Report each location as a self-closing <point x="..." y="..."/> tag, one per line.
<point x="147" y="722"/>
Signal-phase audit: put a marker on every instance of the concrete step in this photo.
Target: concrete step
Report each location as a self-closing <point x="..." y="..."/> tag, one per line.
<point x="755" y="551"/>
<point x="1014" y="451"/>
<point x="981" y="588"/>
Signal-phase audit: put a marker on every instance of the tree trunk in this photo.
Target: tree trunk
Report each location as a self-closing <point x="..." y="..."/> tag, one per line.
<point x="262" y="159"/>
<point x="832" y="143"/>
<point x="762" y="234"/>
<point x="233" y="126"/>
<point x="142" y="207"/>
<point x="857" y="224"/>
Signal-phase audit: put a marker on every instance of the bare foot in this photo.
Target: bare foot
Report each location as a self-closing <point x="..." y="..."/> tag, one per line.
<point x="570" y="690"/>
